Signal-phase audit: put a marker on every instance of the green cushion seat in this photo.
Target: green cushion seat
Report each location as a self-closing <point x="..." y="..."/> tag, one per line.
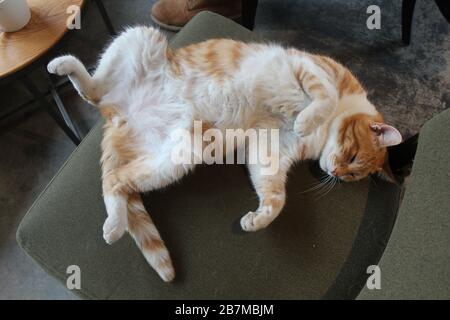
<point x="416" y="262"/>
<point x="307" y="253"/>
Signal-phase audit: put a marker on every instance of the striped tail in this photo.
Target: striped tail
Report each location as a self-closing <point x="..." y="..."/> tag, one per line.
<point x="147" y="238"/>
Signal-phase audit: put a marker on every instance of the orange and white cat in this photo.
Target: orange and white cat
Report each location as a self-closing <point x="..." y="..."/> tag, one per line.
<point x="145" y="91"/>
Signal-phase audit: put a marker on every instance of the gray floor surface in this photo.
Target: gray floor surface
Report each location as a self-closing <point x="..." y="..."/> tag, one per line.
<point x="408" y="84"/>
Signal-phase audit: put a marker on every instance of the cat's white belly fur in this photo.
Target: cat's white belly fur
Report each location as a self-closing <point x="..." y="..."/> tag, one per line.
<point x="155" y="103"/>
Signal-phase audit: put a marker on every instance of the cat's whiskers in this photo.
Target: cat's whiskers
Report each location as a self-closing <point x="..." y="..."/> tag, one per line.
<point x="331" y="183"/>
<point x="317" y="185"/>
<point x="324" y="186"/>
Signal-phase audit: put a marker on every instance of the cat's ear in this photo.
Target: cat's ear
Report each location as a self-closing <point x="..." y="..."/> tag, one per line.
<point x="387" y="135"/>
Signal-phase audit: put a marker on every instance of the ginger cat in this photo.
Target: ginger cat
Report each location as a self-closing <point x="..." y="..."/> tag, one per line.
<point x="145" y="90"/>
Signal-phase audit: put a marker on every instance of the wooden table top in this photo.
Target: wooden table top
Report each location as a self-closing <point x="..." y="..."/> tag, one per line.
<point x="47" y="26"/>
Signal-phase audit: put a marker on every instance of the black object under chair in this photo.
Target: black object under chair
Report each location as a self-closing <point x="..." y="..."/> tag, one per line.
<point x="408" y="13"/>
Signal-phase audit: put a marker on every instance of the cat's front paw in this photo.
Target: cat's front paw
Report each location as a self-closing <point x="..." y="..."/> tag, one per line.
<point x="305" y="123"/>
<point x="113" y="230"/>
<point x="62" y="65"/>
<point x="254" y="221"/>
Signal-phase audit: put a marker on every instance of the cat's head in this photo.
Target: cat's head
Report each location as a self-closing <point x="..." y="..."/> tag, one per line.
<point x="356" y="147"/>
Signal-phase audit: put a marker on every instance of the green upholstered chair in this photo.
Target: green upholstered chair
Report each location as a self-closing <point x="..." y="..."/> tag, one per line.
<point x="416" y="262"/>
<point x="318" y="247"/>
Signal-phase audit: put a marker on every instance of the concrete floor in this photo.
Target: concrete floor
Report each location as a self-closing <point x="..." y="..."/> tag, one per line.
<point x="408" y="84"/>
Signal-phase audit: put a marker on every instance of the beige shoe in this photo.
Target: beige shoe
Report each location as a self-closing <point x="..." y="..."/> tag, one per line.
<point x="174" y="14"/>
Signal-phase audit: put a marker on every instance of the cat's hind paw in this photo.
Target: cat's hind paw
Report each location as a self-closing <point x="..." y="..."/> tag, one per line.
<point x="113" y="230"/>
<point x="62" y="65"/>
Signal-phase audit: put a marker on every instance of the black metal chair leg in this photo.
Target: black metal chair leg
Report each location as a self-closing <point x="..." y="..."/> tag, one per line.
<point x="248" y="13"/>
<point x="407" y="16"/>
<point x="105" y="17"/>
<point x="61" y="107"/>
<point x="40" y="98"/>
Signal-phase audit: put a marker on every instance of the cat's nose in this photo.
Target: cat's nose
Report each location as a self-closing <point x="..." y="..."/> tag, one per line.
<point x="337" y="172"/>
